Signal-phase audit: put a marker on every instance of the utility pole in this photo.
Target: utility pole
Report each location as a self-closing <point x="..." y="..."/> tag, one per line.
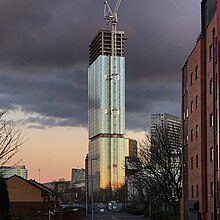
<point x="39" y="174"/>
<point x="92" y="186"/>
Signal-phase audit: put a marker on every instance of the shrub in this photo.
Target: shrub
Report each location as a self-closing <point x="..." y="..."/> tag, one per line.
<point x="137" y="212"/>
<point x="160" y="215"/>
<point x="4" y="200"/>
<point x="128" y="210"/>
<point x="133" y="211"/>
<point x="146" y="212"/>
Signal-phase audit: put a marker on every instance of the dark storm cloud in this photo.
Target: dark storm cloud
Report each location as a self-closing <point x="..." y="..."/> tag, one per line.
<point x="39" y="122"/>
<point x="46" y="32"/>
<point x="54" y="98"/>
<point x="146" y="96"/>
<point x="158" y="45"/>
<point x="44" y="56"/>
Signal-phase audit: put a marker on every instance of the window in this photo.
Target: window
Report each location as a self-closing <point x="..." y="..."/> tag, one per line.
<point x="211" y="120"/>
<point x="215" y="50"/>
<point x="211" y="85"/>
<point x="192" y="191"/>
<point x="197" y="131"/>
<point x="191" y="78"/>
<point x="191" y="134"/>
<point x="211" y="188"/>
<point x="197" y="101"/>
<point x="196" y="72"/>
<point x="191" y="163"/>
<point x="197" y="190"/>
<point x="191" y="106"/>
<point x="210" y="52"/>
<point x="211" y="154"/>
<point x="197" y="160"/>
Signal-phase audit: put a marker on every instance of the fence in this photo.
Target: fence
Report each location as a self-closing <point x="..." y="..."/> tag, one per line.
<point x="78" y="214"/>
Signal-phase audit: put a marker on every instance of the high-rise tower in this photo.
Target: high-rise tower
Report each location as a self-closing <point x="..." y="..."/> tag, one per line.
<point x="106" y="95"/>
<point x="170" y="124"/>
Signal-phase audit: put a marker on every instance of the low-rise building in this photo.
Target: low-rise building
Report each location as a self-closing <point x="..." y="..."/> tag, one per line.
<point x="29" y="197"/>
<point x="63" y="189"/>
<point x="78" y="177"/>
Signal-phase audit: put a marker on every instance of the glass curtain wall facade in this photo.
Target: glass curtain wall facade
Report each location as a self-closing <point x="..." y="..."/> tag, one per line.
<point x="106" y="113"/>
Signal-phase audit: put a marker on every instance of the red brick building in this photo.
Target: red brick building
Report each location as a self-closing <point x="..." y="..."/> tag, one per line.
<point x="29" y="197"/>
<point x="200" y="120"/>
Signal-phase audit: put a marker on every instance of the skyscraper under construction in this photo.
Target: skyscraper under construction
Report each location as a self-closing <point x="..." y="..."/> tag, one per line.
<point x="106" y="113"/>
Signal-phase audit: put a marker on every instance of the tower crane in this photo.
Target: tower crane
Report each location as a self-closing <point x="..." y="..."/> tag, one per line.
<point x="112" y="18"/>
<point x="109" y="15"/>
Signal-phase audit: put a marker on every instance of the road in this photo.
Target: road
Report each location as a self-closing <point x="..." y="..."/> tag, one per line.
<point x="115" y="216"/>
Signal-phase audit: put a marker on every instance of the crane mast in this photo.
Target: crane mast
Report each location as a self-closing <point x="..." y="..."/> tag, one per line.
<point x="112" y="18"/>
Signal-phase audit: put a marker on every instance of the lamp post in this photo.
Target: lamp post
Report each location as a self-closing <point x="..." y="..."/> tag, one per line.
<point x="125" y="191"/>
<point x="86" y="198"/>
<point x="92" y="185"/>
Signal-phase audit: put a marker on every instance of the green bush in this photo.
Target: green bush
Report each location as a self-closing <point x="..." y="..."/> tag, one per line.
<point x="173" y="218"/>
<point x="128" y="210"/>
<point x="133" y="211"/>
<point x="146" y="212"/>
<point x="160" y="215"/>
<point x="163" y="215"/>
<point x="137" y="212"/>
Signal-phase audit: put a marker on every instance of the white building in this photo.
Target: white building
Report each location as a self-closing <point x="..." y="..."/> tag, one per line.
<point x="8" y="171"/>
<point x="169" y="123"/>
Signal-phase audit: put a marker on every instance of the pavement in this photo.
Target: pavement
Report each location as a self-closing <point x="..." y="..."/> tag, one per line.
<point x="106" y="215"/>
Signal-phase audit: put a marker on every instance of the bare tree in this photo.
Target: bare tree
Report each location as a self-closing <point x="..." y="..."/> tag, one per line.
<point x="11" y="139"/>
<point x="160" y="156"/>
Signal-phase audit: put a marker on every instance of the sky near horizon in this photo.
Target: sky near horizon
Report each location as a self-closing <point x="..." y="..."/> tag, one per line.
<point x="43" y="71"/>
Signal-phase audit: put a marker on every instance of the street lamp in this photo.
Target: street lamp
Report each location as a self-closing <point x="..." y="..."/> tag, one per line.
<point x="92" y="185"/>
<point x="125" y="191"/>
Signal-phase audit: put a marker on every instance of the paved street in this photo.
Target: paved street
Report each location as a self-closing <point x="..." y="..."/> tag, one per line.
<point x="115" y="216"/>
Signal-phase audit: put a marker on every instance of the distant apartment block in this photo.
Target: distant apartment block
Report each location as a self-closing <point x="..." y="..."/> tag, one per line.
<point x="131" y="156"/>
<point x="132" y="164"/>
<point x="169" y="123"/>
<point x="78" y="176"/>
<point x="19" y="170"/>
<point x="131" y="147"/>
<point x="63" y="189"/>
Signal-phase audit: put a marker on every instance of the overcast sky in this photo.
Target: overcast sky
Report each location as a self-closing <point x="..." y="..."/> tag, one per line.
<point x="44" y="57"/>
